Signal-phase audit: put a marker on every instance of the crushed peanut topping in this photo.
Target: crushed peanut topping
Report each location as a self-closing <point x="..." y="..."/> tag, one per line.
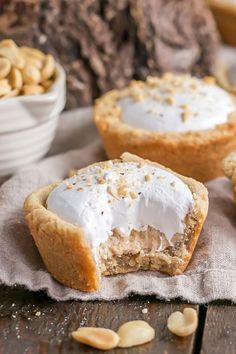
<point x="153" y="81"/>
<point x="107" y="165"/>
<point x="186" y="115"/>
<point x="188" y="93"/>
<point x="184" y="106"/>
<point x="133" y="195"/>
<point x="168" y="77"/>
<point x="122" y="191"/>
<point x="112" y="192"/>
<point x="210" y="80"/>
<point x="170" y="100"/>
<point x="101" y="180"/>
<point x="89" y="180"/>
<point x="72" y="172"/>
<point x="121" y="180"/>
<point x="138" y="96"/>
<point x="148" y="178"/>
<point x="69" y="186"/>
<point x="160" y="177"/>
<point x="142" y="164"/>
<point x="125" y="203"/>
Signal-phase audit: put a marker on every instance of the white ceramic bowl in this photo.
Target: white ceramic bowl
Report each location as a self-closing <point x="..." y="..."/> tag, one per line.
<point x="25" y="146"/>
<point x="28" y="125"/>
<point x="22" y="112"/>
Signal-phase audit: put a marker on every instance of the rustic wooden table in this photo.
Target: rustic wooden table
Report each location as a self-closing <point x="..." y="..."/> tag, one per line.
<point x="31" y="323"/>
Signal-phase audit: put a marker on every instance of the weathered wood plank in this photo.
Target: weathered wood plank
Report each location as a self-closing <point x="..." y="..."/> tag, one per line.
<point x="22" y="331"/>
<point x="219" y="335"/>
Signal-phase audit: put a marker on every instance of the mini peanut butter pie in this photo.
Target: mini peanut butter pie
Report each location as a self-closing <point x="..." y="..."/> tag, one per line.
<point x="182" y="122"/>
<point x="116" y="217"/>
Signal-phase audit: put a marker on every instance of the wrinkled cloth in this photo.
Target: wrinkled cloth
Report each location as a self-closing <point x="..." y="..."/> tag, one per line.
<point x="210" y="275"/>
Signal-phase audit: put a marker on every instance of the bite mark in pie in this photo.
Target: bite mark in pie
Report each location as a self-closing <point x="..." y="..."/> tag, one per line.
<point x="116" y="217"/>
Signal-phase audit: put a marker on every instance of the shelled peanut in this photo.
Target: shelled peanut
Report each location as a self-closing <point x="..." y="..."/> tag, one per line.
<point x="138" y="332"/>
<point x="24" y="70"/>
<point x="129" y="334"/>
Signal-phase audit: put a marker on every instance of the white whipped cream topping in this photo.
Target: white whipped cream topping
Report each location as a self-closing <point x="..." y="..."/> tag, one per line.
<point x="161" y="202"/>
<point x="193" y="105"/>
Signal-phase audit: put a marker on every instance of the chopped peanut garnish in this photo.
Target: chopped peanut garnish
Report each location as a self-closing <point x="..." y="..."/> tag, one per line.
<point x="133" y="195"/>
<point x="186" y="115"/>
<point x="101" y="180"/>
<point x="148" y="178"/>
<point x="210" y="80"/>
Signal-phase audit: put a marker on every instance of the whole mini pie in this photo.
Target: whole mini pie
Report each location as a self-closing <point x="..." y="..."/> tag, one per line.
<point x="116" y="217"/>
<point x="182" y="122"/>
<point x="225" y="15"/>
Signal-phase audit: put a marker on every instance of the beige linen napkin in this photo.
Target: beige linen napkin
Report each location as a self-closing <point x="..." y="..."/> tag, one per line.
<point x="211" y="274"/>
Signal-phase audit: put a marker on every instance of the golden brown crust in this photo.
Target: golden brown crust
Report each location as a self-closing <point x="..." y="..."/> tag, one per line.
<point x="61" y="245"/>
<point x="225" y="15"/>
<point x="195" y="154"/>
<point x="229" y="166"/>
<point x="66" y="253"/>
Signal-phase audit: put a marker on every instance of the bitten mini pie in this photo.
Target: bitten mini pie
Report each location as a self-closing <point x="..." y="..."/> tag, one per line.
<point x="182" y="122"/>
<point x="229" y="166"/>
<point x="116" y="217"/>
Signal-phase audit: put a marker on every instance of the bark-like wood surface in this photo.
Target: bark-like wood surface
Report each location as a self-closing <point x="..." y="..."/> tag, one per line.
<point x="220" y="329"/>
<point x="103" y="44"/>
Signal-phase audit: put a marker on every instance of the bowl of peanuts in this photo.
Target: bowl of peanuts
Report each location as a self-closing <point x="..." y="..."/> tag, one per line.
<point x="32" y="96"/>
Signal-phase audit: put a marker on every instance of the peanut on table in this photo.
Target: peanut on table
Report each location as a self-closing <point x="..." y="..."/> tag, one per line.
<point x="138" y="332"/>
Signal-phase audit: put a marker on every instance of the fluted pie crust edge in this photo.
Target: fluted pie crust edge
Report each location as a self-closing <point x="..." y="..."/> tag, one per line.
<point x="68" y="256"/>
<point x="197" y="154"/>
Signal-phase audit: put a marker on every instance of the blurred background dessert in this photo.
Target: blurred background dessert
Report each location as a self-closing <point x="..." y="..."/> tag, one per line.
<point x="104" y="44"/>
